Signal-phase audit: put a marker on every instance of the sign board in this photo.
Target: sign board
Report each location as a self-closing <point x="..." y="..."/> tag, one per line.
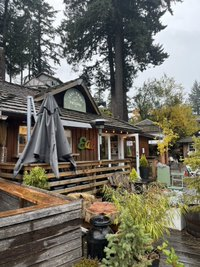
<point x="129" y="143"/>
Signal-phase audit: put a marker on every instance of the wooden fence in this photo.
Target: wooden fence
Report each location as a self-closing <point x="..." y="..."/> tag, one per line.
<point x="88" y="177"/>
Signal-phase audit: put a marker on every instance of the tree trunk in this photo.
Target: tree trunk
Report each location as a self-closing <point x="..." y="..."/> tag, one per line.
<point x="119" y="107"/>
<point x="5" y="18"/>
<point x="39" y="63"/>
<point x="111" y="67"/>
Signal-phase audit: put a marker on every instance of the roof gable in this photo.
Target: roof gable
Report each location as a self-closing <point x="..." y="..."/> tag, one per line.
<point x="43" y="80"/>
<point x="79" y="85"/>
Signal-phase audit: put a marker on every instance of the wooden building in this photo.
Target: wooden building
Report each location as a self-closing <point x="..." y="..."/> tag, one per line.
<point x="91" y="135"/>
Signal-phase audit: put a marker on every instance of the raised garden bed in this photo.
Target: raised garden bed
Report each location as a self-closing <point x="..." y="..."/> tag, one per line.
<point x="38" y="228"/>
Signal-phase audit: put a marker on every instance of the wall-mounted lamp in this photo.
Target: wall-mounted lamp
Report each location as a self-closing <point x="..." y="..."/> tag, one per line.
<point x="99" y="124"/>
<point x="3" y="117"/>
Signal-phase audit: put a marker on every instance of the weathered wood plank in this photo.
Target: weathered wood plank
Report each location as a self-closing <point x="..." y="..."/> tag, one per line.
<point x="40" y="213"/>
<point x="81" y="187"/>
<point x="32" y="257"/>
<point x="43" y="233"/>
<point x="88" y="171"/>
<point x="33" y="225"/>
<point x="85" y="179"/>
<point x="38" y="245"/>
<point x="62" y="260"/>
<point x="10" y="176"/>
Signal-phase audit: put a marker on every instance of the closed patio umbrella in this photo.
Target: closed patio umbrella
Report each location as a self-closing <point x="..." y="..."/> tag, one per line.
<point x="48" y="143"/>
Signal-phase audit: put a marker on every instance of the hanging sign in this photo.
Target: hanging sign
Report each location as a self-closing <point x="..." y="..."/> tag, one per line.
<point x="129" y="143"/>
<point x="85" y="144"/>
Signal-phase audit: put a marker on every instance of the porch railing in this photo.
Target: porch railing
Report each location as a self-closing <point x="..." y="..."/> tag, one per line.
<point x="89" y="176"/>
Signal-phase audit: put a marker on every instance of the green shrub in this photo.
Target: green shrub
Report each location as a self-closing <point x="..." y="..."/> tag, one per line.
<point x="143" y="161"/>
<point x="142" y="220"/>
<point x="171" y="258"/>
<point x="134" y="175"/>
<point x="193" y="183"/>
<point x="36" y="177"/>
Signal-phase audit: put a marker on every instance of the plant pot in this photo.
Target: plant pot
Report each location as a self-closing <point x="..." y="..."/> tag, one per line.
<point x="155" y="263"/>
<point x="156" y="259"/>
<point x="178" y="220"/>
<point x="144" y="173"/>
<point x="193" y="223"/>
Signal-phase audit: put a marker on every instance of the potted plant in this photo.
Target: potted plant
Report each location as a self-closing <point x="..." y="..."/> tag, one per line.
<point x="192" y="194"/>
<point x="144" y="167"/>
<point x="142" y="220"/>
<point x="36" y="177"/>
<point x="176" y="201"/>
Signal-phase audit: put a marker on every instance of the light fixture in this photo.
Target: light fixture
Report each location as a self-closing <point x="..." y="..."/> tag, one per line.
<point x="3" y="117"/>
<point x="99" y="124"/>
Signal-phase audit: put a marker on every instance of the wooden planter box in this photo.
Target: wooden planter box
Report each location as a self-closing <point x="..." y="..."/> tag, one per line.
<point x="38" y="228"/>
<point x="193" y="223"/>
<point x="178" y="221"/>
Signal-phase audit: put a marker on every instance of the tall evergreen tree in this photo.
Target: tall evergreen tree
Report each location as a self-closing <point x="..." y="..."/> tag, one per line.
<point x="29" y="37"/>
<point x="120" y="35"/>
<point x="194" y="98"/>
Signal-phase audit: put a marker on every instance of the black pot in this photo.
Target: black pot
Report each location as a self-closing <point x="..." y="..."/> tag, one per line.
<point x="155" y="263"/>
<point x="144" y="173"/>
<point x="193" y="223"/>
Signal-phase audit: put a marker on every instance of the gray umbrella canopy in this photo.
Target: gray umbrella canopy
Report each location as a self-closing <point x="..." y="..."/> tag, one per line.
<point x="48" y="143"/>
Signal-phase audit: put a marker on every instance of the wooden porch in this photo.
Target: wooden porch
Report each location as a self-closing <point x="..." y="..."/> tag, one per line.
<point x="89" y="176"/>
<point x="186" y="246"/>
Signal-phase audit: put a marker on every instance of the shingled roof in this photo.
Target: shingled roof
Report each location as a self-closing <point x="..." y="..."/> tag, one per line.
<point x="13" y="100"/>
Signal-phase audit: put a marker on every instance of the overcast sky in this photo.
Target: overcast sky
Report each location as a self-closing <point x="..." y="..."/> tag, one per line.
<point x="181" y="40"/>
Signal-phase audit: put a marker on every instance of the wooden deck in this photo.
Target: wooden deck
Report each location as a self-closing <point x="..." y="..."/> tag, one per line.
<point x="186" y="246"/>
<point x="89" y="176"/>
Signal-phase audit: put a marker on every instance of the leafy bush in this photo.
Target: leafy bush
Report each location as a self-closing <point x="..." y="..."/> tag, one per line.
<point x="142" y="220"/>
<point x="193" y="183"/>
<point x="134" y="175"/>
<point x="171" y="258"/>
<point x="36" y="177"/>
